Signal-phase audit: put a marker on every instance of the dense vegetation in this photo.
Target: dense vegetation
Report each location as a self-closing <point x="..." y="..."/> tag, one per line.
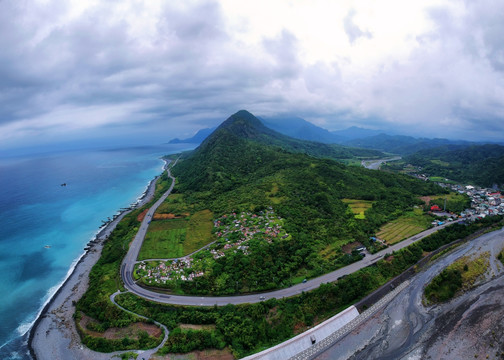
<point x="444" y="286"/>
<point x="233" y="170"/>
<point x="250" y="327"/>
<point x="400" y="144"/>
<point x="453" y="202"/>
<point x="482" y="165"/>
<point x="460" y="275"/>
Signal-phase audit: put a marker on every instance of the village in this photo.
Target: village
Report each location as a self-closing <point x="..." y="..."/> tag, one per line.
<point x="233" y="232"/>
<point x="484" y="201"/>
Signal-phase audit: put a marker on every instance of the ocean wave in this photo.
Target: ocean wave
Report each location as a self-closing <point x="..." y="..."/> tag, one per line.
<point x="25" y="326"/>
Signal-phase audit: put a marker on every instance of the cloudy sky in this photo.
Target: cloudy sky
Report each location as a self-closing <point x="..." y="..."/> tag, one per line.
<point x="152" y="70"/>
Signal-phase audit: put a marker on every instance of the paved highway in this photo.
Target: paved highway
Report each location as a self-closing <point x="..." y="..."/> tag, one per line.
<point x="132" y="255"/>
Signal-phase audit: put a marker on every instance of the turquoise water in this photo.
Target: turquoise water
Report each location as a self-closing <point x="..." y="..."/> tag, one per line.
<point x="45" y="226"/>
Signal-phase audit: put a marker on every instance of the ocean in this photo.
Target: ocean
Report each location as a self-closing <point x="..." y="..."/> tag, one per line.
<point x="45" y="226"/>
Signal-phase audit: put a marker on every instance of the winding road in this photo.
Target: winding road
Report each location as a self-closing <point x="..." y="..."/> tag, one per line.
<point x="130" y="259"/>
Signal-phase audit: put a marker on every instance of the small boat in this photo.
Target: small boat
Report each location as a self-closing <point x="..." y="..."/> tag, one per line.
<point x="47" y="246"/>
<point x="64" y="184"/>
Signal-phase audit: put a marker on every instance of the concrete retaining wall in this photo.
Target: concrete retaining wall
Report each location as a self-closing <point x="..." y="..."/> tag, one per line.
<point x="300" y="343"/>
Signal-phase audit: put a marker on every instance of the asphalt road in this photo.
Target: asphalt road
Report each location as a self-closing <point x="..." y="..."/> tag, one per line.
<point x="132" y="255"/>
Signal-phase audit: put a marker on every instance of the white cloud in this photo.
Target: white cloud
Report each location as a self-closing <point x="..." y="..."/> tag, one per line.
<point x="174" y="64"/>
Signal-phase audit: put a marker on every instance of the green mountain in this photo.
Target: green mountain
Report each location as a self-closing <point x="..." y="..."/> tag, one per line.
<point x="301" y="129"/>
<point x="246" y="125"/>
<point x="400" y="144"/>
<point x="478" y="164"/>
<point x="245" y="166"/>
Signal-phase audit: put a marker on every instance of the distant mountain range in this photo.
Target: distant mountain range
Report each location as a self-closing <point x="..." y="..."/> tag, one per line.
<point x="400" y="144"/>
<point x="301" y="129"/>
<point x="478" y="164"/>
<point x="196" y="139"/>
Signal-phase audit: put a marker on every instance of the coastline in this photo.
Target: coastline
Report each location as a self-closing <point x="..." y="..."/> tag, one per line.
<point x="55" y="319"/>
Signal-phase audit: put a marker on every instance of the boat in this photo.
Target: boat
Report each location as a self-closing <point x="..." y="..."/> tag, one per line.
<point x="47" y="246"/>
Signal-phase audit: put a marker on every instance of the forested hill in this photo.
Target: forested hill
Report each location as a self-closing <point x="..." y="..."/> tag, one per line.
<point x="479" y="164"/>
<point x="400" y="144"/>
<point x="244" y="166"/>
<point x="245" y="125"/>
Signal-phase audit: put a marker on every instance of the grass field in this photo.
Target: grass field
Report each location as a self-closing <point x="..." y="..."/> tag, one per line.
<point x="471" y="269"/>
<point x="174" y="204"/>
<point x="441" y="180"/>
<point x="358" y="207"/>
<point x="404" y="227"/>
<point x="164" y="239"/>
<point x="199" y="231"/>
<point x="177" y="237"/>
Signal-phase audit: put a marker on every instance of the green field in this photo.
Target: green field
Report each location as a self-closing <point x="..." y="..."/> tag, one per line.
<point x="441" y="180"/>
<point x="174" y="204"/>
<point x="404" y="227"/>
<point x="199" y="231"/>
<point x="177" y="237"/>
<point x="358" y="207"/>
<point x="164" y="239"/>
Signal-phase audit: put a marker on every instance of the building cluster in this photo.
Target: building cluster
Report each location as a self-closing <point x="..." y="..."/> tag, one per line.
<point x="233" y="231"/>
<point x="484" y="201"/>
<point x="163" y="271"/>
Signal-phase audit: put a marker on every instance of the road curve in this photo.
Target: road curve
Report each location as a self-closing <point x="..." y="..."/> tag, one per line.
<point x="130" y="259"/>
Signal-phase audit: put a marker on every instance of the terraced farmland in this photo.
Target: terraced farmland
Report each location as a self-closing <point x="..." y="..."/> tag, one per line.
<point x="358" y="207"/>
<point x="402" y="228"/>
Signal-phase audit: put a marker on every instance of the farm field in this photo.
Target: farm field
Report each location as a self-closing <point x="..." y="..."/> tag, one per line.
<point x="174" y="238"/>
<point x="404" y="227"/>
<point x="358" y="207"/>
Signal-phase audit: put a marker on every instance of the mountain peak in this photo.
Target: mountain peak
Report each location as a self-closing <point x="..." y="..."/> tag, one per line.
<point x="244" y="124"/>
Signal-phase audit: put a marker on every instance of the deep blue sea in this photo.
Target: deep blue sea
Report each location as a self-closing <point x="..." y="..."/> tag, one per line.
<point x="44" y="226"/>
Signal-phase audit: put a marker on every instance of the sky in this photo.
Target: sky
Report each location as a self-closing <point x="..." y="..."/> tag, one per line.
<point x="135" y="71"/>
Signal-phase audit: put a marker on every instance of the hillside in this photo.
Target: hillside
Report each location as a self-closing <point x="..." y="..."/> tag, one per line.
<point x="400" y="144"/>
<point x="245" y="167"/>
<point x="301" y="129"/>
<point x="478" y="164"/>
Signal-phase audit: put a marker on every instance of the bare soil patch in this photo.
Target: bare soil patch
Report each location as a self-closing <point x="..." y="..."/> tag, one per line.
<point x="196" y="327"/>
<point x="169" y="216"/>
<point x="211" y="354"/>
<point x="141" y="216"/>
<point x="347" y="249"/>
<point x="426" y="199"/>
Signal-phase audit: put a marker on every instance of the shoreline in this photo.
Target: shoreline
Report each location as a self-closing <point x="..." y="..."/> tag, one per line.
<point x="75" y="284"/>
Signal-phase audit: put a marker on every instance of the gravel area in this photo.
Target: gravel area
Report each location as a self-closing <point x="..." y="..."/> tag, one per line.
<point x="469" y="326"/>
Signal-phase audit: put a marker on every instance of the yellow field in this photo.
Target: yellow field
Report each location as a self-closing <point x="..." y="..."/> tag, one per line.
<point x="358" y="207"/>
